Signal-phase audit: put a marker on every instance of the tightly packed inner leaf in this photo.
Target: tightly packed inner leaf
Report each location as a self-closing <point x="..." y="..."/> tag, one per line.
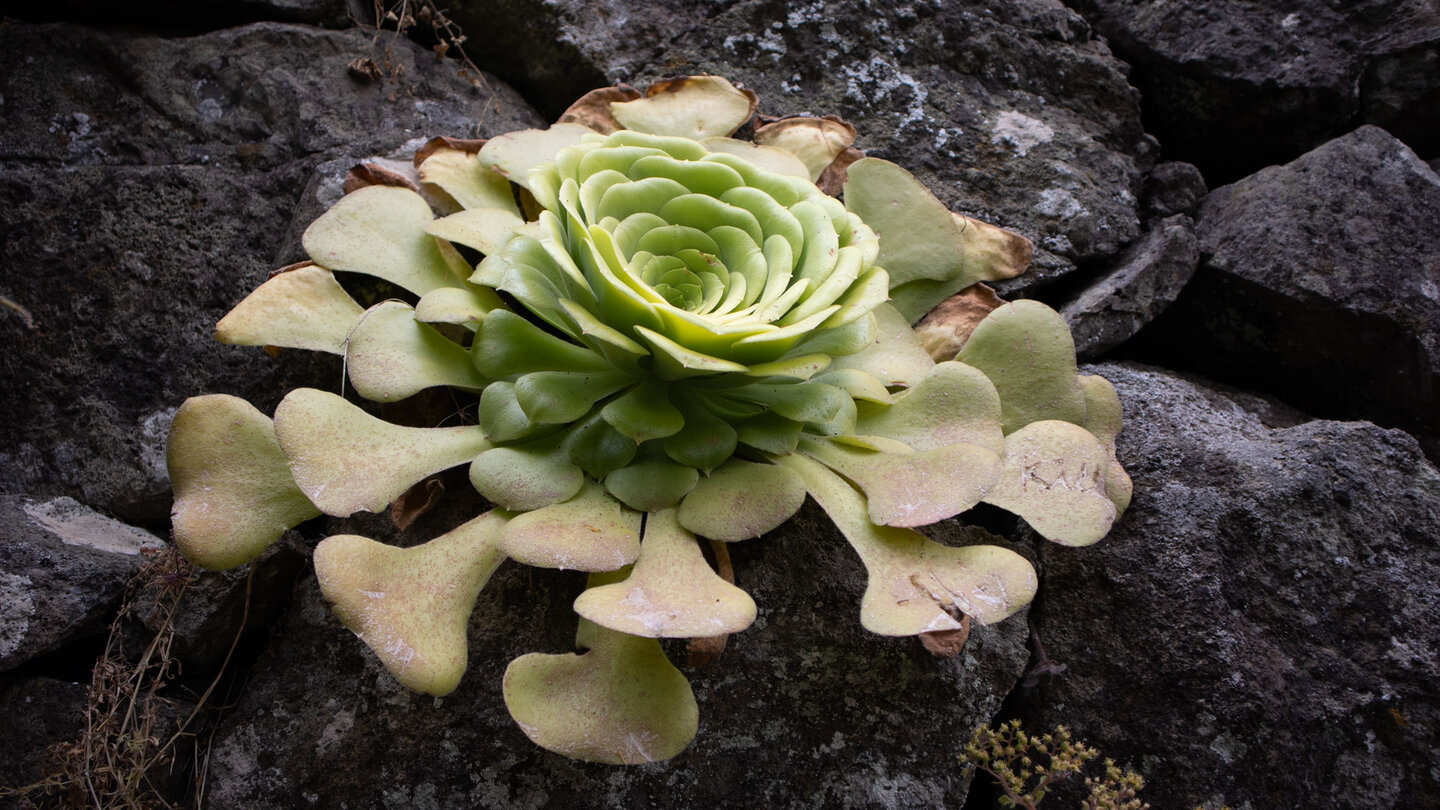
<point x="670" y="336"/>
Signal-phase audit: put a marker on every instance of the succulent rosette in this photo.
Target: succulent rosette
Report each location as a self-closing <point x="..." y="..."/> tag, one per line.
<point x="670" y="334"/>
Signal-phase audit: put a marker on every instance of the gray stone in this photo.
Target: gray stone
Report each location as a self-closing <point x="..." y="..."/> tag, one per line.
<point x="1146" y="280"/>
<point x="1008" y="111"/>
<point x="153" y="180"/>
<point x="1172" y="188"/>
<point x="39" y="712"/>
<point x="1233" y="85"/>
<point x="803" y="709"/>
<point x="1319" y="282"/>
<point x="63" y="572"/>
<point x="1258" y="629"/>
<point x="178" y="14"/>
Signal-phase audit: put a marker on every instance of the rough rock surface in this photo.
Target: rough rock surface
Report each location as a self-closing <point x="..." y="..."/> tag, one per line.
<point x="803" y="709"/>
<point x="63" y="570"/>
<point x="1172" y="188"/>
<point x="1319" y="282"/>
<point x="1214" y="74"/>
<point x="54" y="712"/>
<point x="1258" y="630"/>
<point x="1146" y="280"/>
<point x="1010" y="112"/>
<point x="153" y="184"/>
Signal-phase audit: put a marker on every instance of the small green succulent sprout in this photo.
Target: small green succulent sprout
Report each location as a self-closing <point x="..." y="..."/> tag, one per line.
<point x="672" y="334"/>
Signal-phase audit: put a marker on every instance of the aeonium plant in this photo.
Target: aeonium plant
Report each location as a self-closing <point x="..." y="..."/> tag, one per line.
<point x="673" y="334"/>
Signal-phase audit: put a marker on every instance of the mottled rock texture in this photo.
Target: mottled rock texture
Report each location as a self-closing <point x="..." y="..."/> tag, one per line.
<point x="1319" y="282"/>
<point x="1259" y="629"/>
<point x="1146" y="279"/>
<point x="63" y="571"/>
<point x="1216" y="75"/>
<point x="153" y="181"/>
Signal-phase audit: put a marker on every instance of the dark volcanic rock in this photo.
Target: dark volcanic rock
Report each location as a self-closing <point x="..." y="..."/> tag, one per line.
<point x="173" y="15"/>
<point x="1259" y="629"/>
<point x="804" y="709"/>
<point x="1320" y="282"/>
<point x="147" y="185"/>
<point x="63" y="572"/>
<point x="1008" y="111"/>
<point x="1148" y="278"/>
<point x="1172" y="188"/>
<point x="1234" y="85"/>
<point x="39" y="712"/>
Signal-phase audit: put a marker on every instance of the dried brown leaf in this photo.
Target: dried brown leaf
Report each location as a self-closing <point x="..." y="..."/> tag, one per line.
<point x="373" y="174"/>
<point x="947" y="643"/>
<point x="946" y="328"/>
<point x="593" y="109"/>
<point x="471" y="145"/>
<point x="832" y="180"/>
<point x="416" y="501"/>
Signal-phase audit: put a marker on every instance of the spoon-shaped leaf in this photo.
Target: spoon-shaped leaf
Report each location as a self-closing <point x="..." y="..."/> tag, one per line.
<point x="741" y="500"/>
<point x="620" y="703"/>
<point x="233" y="492"/>
<point x="412" y="605"/>
<point x="692" y="107"/>
<point x="952" y="404"/>
<point x="1054" y="478"/>
<point x="304" y="308"/>
<point x="671" y="592"/>
<point x="526" y="477"/>
<point x="346" y="460"/>
<point x="381" y="231"/>
<point x="589" y="532"/>
<point x="915" y="488"/>
<point x="460" y="174"/>
<point x="1026" y="349"/>
<point x="916" y="584"/>
<point x="391" y="355"/>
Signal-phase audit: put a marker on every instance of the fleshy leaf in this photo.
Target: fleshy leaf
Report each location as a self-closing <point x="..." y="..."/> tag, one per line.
<point x="741" y="500"/>
<point x="620" y="703"/>
<point x="991" y="254"/>
<point x="671" y="592"/>
<point x="508" y="345"/>
<point x="461" y="175"/>
<point x="412" y="605"/>
<point x="526" y="477"/>
<point x="651" y="483"/>
<point x="896" y="357"/>
<point x="954" y="403"/>
<point x="514" y="154"/>
<point x="381" y="231"/>
<point x="346" y="460"/>
<point x="1026" y="349"/>
<point x="929" y="253"/>
<point x="484" y="229"/>
<point x="233" y="492"/>
<point x="769" y="158"/>
<point x="1054" y="478"/>
<point x="465" y="306"/>
<point x="1102" y="418"/>
<point x="391" y="355"/>
<point x="690" y="107"/>
<point x="303" y="308"/>
<point x="644" y="412"/>
<point x="917" y="585"/>
<point x="589" y="532"/>
<point x="912" y="489"/>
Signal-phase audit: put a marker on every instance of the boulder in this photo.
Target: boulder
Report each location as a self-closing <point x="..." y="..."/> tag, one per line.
<point x="63" y="572"/>
<point x="1319" y="282"/>
<point x="1147" y="279"/>
<point x="1215" y="75"/>
<point x="1258" y="630"/>
<point x="153" y="180"/>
